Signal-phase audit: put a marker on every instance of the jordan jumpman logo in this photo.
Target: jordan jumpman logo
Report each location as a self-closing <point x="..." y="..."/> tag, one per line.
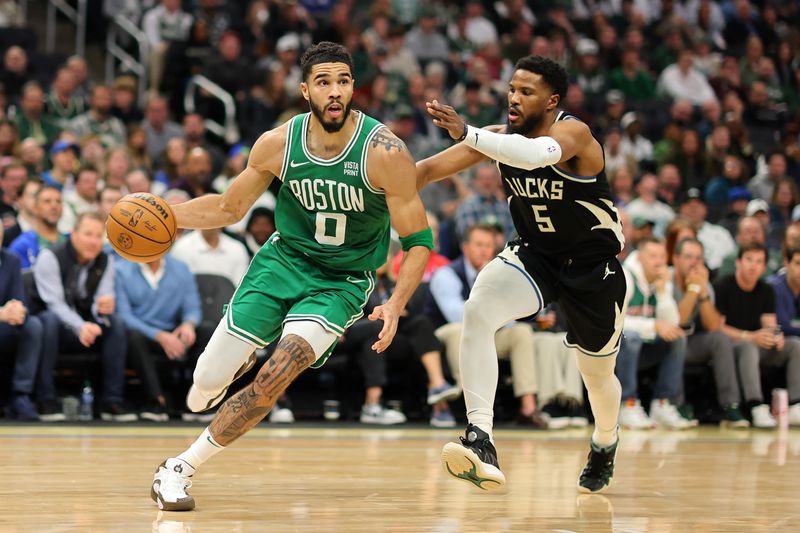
<point x="608" y="272"/>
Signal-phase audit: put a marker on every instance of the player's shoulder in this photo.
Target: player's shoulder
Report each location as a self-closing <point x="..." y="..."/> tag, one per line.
<point x="274" y="137"/>
<point x="386" y="149"/>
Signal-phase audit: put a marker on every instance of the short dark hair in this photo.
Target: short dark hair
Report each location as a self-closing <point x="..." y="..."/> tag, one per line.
<point x="91" y="215"/>
<point x="325" y="52"/>
<point x="688" y="240"/>
<point x="46" y="187"/>
<point x="752" y="247"/>
<point x="481" y="226"/>
<point x="648" y="240"/>
<point x="790" y="251"/>
<point x="553" y="74"/>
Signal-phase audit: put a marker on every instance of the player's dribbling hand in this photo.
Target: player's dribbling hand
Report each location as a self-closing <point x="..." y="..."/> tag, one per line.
<point x="446" y="117"/>
<point x="389" y="314"/>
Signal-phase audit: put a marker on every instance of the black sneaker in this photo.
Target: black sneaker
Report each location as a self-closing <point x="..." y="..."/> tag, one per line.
<point x="732" y="417"/>
<point x="599" y="469"/>
<point x="117" y="412"/>
<point x="50" y="411"/>
<point x="155" y="412"/>
<point x="474" y="460"/>
<point x="556" y="415"/>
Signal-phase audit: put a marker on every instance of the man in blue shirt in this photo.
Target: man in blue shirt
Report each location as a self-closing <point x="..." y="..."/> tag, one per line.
<point x="787" y="308"/>
<point x="45" y="234"/>
<point x="160" y="305"/>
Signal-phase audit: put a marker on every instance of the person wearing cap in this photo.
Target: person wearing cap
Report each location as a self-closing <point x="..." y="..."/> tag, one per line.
<point x="64" y="156"/>
<point x="615" y="108"/>
<point x="738" y="198"/>
<point x="642" y="229"/>
<point x="750" y="229"/>
<point x="647" y="205"/>
<point x="632" y="79"/>
<point x="716" y="240"/>
<point x="633" y="143"/>
<point x="592" y="78"/>
<point x="99" y="120"/>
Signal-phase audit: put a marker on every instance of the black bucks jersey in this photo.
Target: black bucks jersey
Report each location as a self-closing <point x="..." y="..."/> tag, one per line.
<point x="562" y="215"/>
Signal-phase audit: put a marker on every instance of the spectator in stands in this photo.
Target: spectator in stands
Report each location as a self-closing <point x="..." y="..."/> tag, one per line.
<point x="738" y="199"/>
<point x="689" y="159"/>
<point x="670" y="184"/>
<point x="620" y="180"/>
<point x="15" y="73"/>
<point x="782" y="204"/>
<point x="172" y="162"/>
<point x="9" y="138"/>
<point x="12" y="177"/>
<point x="716" y="240"/>
<point x="229" y="70"/>
<point x="31" y="120"/>
<point x="197" y="177"/>
<point x="139" y="181"/>
<point x="160" y="306"/>
<point x="652" y="336"/>
<point x="45" y="233"/>
<point x="234" y="165"/>
<point x="64" y="156"/>
<point x="81" y="199"/>
<point x="260" y="226"/>
<point x="646" y="205"/>
<point x="786" y="285"/>
<point x="415" y="331"/>
<point x="592" y="78"/>
<point x="560" y="387"/>
<point x="26" y="211"/>
<point x="762" y="185"/>
<point x="718" y="188"/>
<point x="747" y="304"/>
<point x="106" y="199"/>
<point x="99" y="120"/>
<point x="682" y="80"/>
<point x="32" y="155"/>
<point x="424" y="39"/>
<point x="632" y="78"/>
<point x="487" y="204"/>
<point x="62" y="105"/>
<point x="633" y="144"/>
<point x="702" y="323"/>
<point x="20" y="336"/>
<point x="124" y="95"/>
<point x="450" y="287"/>
<point x="80" y="68"/>
<point x="159" y="129"/>
<point x="75" y="280"/>
<point x="210" y="251"/>
<point x="194" y="131"/>
<point x="164" y="25"/>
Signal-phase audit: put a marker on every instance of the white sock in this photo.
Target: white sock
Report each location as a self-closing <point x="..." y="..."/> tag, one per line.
<point x="201" y="450"/>
<point x="605" y="395"/>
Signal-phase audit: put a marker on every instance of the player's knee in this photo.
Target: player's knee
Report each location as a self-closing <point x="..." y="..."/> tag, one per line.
<point x="477" y="317"/>
<point x="208" y="380"/>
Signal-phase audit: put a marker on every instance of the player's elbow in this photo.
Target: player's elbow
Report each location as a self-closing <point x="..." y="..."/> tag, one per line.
<point x="232" y="210"/>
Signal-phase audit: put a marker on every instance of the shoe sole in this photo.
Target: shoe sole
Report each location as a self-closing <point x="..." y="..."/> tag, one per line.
<point x="725" y="424"/>
<point x="585" y="490"/>
<point x="187" y="505"/>
<point x="154" y="417"/>
<point x="449" y="394"/>
<point x="108" y="417"/>
<point x="464" y="464"/>
<point x="380" y="422"/>
<point x="58" y="417"/>
<point x="558" y="423"/>
<point x="578" y="422"/>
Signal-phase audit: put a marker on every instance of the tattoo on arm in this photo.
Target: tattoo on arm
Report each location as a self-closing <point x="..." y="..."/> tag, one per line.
<point x="385" y="138"/>
<point x="243" y="411"/>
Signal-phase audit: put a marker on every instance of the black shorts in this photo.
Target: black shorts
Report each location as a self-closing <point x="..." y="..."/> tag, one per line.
<point x="591" y="295"/>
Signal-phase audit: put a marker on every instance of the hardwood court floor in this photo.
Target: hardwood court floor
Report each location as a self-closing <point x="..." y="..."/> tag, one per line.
<point x="351" y="479"/>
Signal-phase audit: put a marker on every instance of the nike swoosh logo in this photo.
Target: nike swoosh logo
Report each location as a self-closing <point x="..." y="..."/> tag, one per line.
<point x="354" y="280"/>
<point x="295" y="165"/>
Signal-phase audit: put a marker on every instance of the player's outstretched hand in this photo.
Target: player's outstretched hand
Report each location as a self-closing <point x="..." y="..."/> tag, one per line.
<point x="446" y="117"/>
<point x="389" y="314"/>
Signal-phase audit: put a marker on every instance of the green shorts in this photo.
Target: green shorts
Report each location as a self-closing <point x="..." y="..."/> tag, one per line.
<point x="283" y="284"/>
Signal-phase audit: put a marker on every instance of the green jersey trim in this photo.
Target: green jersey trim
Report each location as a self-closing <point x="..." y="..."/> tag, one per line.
<point x="364" y="152"/>
<point x="342" y="155"/>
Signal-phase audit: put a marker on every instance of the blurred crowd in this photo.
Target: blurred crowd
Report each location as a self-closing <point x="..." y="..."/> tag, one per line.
<point x="696" y="104"/>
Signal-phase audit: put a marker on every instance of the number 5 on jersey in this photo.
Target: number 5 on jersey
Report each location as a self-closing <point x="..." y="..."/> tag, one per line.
<point x="542" y="220"/>
<point x="330" y="232"/>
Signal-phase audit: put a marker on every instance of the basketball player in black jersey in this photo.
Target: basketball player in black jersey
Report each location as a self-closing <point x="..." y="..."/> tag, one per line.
<point x="552" y="169"/>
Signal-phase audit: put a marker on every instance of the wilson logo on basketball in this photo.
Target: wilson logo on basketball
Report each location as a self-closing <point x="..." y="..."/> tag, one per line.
<point x="149" y="199"/>
<point x="125" y="241"/>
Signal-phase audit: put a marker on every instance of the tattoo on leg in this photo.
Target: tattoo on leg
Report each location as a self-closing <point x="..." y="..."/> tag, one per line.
<point x="244" y="410"/>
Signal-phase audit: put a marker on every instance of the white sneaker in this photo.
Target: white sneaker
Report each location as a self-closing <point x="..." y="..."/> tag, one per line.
<point x="378" y="414"/>
<point x="666" y="415"/>
<point x="762" y="418"/>
<point x="632" y="416"/>
<point x="281" y="415"/>
<point x="794" y="415"/>
<point x="169" y="488"/>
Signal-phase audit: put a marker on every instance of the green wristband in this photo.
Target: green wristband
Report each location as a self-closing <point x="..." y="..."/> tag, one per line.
<point x="421" y="238"/>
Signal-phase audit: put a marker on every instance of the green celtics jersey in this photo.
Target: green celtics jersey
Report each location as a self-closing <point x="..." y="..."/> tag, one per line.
<point x="327" y="208"/>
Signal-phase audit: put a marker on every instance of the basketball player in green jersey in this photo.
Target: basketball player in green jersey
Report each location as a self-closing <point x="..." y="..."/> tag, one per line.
<point x="344" y="175"/>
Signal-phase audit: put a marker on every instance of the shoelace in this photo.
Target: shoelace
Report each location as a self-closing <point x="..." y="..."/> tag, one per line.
<point x="176" y="483"/>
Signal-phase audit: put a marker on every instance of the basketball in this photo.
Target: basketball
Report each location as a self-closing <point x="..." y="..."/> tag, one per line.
<point x="141" y="227"/>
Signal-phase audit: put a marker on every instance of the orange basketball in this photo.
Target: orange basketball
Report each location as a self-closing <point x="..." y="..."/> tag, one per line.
<point x="141" y="227"/>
